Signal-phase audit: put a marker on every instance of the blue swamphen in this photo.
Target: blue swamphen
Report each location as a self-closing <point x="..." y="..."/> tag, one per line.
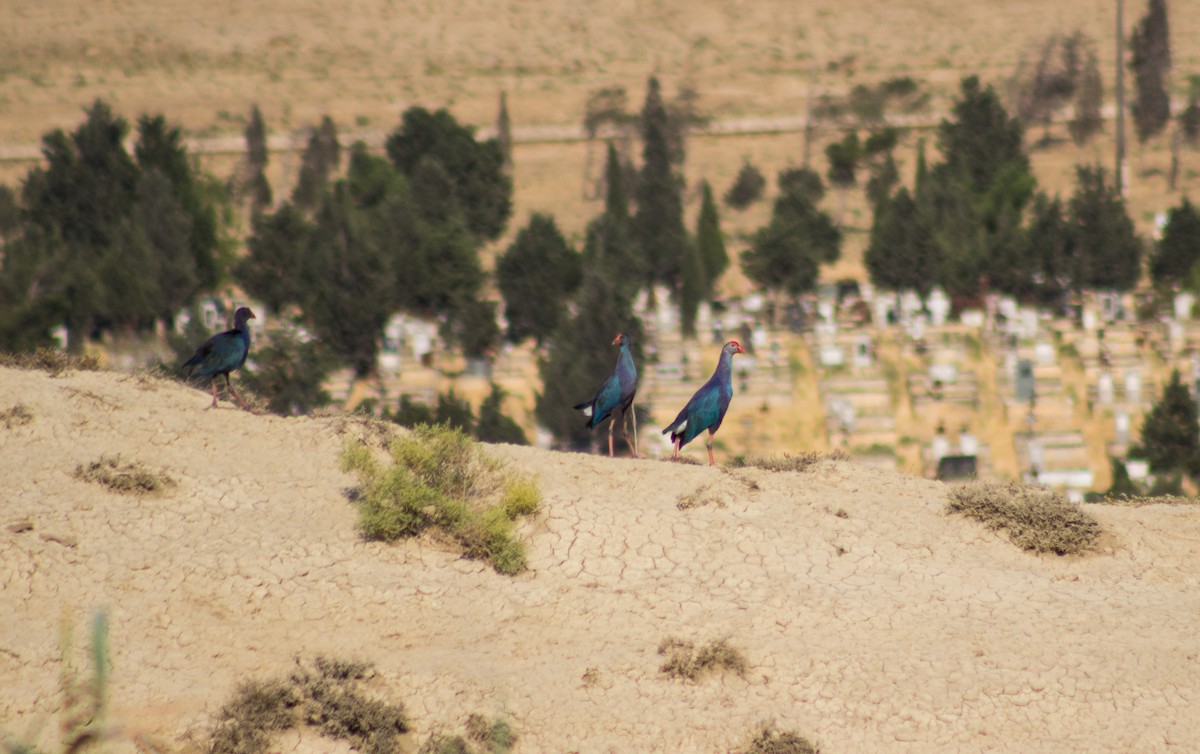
<point x="616" y="394"/>
<point x="223" y="353"/>
<point x="707" y="407"/>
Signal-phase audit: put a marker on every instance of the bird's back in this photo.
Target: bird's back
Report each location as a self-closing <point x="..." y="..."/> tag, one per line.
<point x="221" y="353"/>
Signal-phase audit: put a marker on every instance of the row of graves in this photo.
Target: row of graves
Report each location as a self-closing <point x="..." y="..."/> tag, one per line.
<point x="860" y="415"/>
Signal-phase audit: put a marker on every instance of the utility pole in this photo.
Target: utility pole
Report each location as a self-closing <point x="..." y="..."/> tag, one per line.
<point x="1120" y="73"/>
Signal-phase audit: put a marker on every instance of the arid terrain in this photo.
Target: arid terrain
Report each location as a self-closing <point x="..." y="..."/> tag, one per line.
<point x="870" y="619"/>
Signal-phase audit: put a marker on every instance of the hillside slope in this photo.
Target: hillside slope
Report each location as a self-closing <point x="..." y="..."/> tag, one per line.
<point x="871" y="620"/>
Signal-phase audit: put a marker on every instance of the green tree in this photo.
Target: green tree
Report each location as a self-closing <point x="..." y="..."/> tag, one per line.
<point x="692" y="284"/>
<point x="288" y="372"/>
<point x="578" y="356"/>
<point x="479" y="183"/>
<point x="609" y="243"/>
<point x="273" y="270"/>
<point x="348" y="281"/>
<point x="901" y="254"/>
<point x="1107" y="250"/>
<point x="160" y="147"/>
<point x="881" y="163"/>
<point x="710" y="241"/>
<point x="254" y="186"/>
<point x="496" y="426"/>
<point x="537" y="275"/>
<point x="1049" y="252"/>
<point x="747" y="188"/>
<point x="1150" y="62"/>
<point x="657" y="225"/>
<point x="454" y="411"/>
<point x="320" y="160"/>
<point x="785" y="255"/>
<point x="1178" y="250"/>
<point x="1089" y="98"/>
<point x="1171" y="434"/>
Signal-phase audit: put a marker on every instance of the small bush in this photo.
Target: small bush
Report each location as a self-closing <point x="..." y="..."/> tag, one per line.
<point x="802" y="461"/>
<point x="482" y="737"/>
<point x="324" y="696"/>
<point x="127" y="478"/>
<point x="17" y="416"/>
<point x="1035" y="519"/>
<point x="768" y="741"/>
<point x="442" y="479"/>
<point x="49" y="360"/>
<point x="684" y="660"/>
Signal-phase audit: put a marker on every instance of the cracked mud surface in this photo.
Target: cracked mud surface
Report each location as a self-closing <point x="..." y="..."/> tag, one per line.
<point x="871" y="620"/>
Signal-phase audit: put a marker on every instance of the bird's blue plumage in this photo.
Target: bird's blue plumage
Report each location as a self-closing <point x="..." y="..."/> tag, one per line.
<point x="223" y="352"/>
<point x="617" y="391"/>
<point x="706" y="409"/>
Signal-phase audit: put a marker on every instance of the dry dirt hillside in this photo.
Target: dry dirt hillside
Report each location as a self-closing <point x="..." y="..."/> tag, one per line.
<point x="870" y="619"/>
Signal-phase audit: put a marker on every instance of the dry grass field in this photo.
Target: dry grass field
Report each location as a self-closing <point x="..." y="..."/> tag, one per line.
<point x="364" y="61"/>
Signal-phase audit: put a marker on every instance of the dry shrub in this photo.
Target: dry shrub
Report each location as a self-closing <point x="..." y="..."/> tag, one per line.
<point x="49" y="360"/>
<point x="126" y="478"/>
<point x="483" y="737"/>
<point x="324" y="696"/>
<point x="802" y="461"/>
<point x="17" y="416"/>
<point x="769" y="741"/>
<point x="1035" y="518"/>
<point x="687" y="661"/>
<point x="699" y="497"/>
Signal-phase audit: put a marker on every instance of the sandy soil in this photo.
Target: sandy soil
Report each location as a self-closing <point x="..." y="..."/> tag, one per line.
<point x="872" y="621"/>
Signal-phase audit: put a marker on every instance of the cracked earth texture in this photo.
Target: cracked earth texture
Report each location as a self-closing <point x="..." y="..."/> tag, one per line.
<point x="871" y="620"/>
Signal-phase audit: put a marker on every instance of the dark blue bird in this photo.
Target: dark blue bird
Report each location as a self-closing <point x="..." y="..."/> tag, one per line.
<point x="616" y="394"/>
<point x="223" y="353"/>
<point x="707" y="407"/>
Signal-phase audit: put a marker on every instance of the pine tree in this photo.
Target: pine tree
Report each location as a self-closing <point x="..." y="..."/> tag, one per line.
<point x="1150" y="62"/>
<point x="273" y="270"/>
<point x="1171" y="434"/>
<point x="710" y="241"/>
<point x="1089" y="97"/>
<point x="902" y="254"/>
<point x="1108" y="251"/>
<point x="537" y="275"/>
<point x="475" y="169"/>
<point x="494" y="425"/>
<point x="504" y="132"/>
<point x="321" y="158"/>
<point x="786" y="255"/>
<point x="658" y="223"/>
<point x="747" y="188"/>
<point x="254" y="185"/>
<point x="1178" y="251"/>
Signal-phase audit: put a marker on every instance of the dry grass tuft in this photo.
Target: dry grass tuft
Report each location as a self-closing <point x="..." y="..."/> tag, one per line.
<point x="1137" y="501"/>
<point x="769" y="741"/>
<point x="126" y="478"/>
<point x="1035" y="518"/>
<point x="802" y="461"/>
<point x="49" y="360"/>
<point x="324" y="696"/>
<point x="687" y="661"/>
<point x="698" y="498"/>
<point x="16" y="416"/>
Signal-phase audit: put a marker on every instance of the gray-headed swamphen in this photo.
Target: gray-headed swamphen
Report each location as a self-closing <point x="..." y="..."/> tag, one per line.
<point x="616" y="394"/>
<point x="223" y="353"/>
<point x="707" y="407"/>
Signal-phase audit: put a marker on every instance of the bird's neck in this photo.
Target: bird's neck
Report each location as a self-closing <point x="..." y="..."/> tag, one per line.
<point x="724" y="371"/>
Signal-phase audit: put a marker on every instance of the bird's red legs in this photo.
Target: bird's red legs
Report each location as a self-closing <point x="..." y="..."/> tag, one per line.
<point x="214" y="387"/>
<point x="229" y="387"/>
<point x="611" y="426"/>
<point x="711" y="462"/>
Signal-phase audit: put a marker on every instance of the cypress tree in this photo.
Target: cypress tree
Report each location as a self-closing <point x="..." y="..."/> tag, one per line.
<point x="1089" y="97"/>
<point x="1178" y="250"/>
<point x="1150" y="62"/>
<point x="255" y="187"/>
<point x="710" y="241"/>
<point x="321" y="158"/>
<point x="1108" y="251"/>
<point x="1171" y="434"/>
<point x="658" y="223"/>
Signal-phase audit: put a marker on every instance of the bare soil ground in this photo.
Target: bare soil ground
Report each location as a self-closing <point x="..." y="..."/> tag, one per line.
<point x="871" y="620"/>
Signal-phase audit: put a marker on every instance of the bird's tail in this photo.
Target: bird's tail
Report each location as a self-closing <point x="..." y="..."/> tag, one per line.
<point x="588" y="408"/>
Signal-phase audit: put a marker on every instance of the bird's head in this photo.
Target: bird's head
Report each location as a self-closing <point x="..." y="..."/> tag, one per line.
<point x="621" y="339"/>
<point x="733" y="347"/>
<point x="242" y="315"/>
